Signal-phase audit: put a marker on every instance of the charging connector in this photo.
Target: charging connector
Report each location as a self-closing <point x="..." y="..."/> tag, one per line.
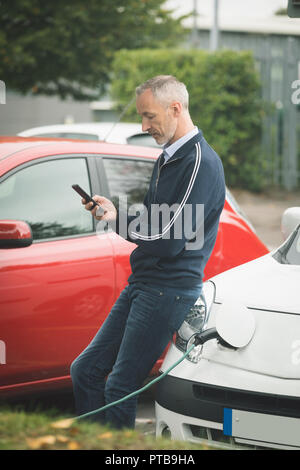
<point x="201" y="338"/>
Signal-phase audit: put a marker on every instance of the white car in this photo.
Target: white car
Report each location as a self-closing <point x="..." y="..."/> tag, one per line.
<point x="117" y="133"/>
<point x="241" y="384"/>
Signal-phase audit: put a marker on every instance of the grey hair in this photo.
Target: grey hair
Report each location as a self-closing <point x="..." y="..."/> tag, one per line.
<point x="165" y="88"/>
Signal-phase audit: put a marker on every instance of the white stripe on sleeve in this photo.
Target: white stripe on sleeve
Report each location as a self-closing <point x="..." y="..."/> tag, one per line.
<point x="185" y="198"/>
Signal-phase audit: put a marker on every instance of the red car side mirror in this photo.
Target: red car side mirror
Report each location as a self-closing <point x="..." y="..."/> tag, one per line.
<point x="15" y="234"/>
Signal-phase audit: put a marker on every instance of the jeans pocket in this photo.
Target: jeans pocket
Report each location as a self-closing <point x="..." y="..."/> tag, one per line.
<point x="152" y="289"/>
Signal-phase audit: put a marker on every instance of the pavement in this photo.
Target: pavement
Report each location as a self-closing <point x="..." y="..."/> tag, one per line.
<point x="264" y="210"/>
<point x="145" y="417"/>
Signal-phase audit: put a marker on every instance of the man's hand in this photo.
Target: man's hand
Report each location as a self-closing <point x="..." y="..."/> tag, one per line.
<point x="110" y="212"/>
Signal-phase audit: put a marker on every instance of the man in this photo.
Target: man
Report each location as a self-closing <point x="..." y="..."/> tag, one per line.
<point x="167" y="264"/>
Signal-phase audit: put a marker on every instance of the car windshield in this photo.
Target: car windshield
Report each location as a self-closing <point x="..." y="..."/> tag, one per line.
<point x="289" y="253"/>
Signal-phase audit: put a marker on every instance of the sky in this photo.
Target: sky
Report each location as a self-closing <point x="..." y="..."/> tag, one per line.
<point x="229" y="9"/>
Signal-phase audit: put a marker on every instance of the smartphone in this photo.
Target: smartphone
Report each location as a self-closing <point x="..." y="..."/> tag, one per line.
<point x="88" y="198"/>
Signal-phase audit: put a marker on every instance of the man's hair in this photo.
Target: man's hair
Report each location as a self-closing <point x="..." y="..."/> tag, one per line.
<point x="166" y="88"/>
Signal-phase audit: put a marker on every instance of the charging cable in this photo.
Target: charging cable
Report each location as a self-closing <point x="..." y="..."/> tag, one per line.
<point x="133" y="394"/>
<point x="198" y="338"/>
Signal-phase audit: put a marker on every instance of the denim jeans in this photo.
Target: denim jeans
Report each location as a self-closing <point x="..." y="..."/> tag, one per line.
<point x="121" y="355"/>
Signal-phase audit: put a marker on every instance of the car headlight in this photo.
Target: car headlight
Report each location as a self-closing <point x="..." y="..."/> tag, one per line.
<point x="196" y="320"/>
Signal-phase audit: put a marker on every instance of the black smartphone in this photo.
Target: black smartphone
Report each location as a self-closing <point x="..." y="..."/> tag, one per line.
<point x="87" y="197"/>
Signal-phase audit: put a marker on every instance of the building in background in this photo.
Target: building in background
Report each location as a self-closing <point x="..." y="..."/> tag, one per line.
<point x="23" y="112"/>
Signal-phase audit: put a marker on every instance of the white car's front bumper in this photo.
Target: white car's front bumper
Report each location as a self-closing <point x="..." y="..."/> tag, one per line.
<point x="246" y="429"/>
<point x="218" y="403"/>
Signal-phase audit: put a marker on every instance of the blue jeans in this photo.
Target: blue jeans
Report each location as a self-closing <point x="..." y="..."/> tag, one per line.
<point x="123" y="352"/>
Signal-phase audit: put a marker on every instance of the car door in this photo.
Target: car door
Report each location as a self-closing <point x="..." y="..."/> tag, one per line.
<point x="54" y="294"/>
<point x="125" y="182"/>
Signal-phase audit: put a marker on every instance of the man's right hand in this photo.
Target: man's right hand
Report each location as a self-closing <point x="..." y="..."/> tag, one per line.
<point x="110" y="212"/>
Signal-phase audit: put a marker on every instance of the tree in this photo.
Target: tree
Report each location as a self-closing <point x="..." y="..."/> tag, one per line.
<point x="66" y="47"/>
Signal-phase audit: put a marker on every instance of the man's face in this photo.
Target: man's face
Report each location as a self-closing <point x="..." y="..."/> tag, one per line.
<point x="157" y="120"/>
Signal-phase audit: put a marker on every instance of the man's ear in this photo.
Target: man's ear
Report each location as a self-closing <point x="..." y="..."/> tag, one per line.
<point x="176" y="108"/>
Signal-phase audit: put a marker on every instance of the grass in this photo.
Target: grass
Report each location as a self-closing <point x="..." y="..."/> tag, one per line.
<point x="31" y="423"/>
<point x="23" y="430"/>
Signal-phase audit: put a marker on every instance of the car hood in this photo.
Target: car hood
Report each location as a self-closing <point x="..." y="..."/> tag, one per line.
<point x="271" y="291"/>
<point x="261" y="284"/>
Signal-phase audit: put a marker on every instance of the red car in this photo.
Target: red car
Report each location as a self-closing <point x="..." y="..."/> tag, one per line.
<point x="60" y="275"/>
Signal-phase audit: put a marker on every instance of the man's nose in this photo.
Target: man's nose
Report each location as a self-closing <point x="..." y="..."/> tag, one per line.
<point x="145" y="124"/>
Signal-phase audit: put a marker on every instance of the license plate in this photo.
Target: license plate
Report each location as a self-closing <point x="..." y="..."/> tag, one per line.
<point x="262" y="427"/>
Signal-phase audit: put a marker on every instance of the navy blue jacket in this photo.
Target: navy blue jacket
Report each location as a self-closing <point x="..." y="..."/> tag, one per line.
<point x="173" y="249"/>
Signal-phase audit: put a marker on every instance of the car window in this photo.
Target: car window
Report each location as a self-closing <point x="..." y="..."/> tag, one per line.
<point x="70" y="135"/>
<point x="78" y="135"/>
<point x="41" y="194"/>
<point x="145" y="140"/>
<point x="127" y="178"/>
<point x="50" y="134"/>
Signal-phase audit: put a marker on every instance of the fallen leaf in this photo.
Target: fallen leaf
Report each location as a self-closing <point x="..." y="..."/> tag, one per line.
<point x="63" y="423"/>
<point x="73" y="445"/>
<point x="105" y="435"/>
<point x="62" y="439"/>
<point x="40" y="442"/>
<point x="73" y="431"/>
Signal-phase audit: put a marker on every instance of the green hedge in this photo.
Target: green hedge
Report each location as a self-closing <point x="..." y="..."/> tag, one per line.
<point x="225" y="101"/>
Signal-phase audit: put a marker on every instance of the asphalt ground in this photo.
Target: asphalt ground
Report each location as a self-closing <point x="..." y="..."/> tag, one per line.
<point x="264" y="210"/>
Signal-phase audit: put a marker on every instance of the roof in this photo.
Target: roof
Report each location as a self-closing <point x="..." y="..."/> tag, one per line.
<point x="277" y="24"/>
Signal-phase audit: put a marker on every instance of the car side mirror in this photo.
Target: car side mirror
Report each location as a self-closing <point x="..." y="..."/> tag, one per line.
<point x="15" y="234"/>
<point x="289" y="221"/>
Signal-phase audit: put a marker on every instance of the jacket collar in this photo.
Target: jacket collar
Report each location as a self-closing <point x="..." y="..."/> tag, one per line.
<point x="169" y="150"/>
<point x="187" y="147"/>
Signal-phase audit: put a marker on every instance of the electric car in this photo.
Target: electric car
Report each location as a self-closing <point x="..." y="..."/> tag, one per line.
<point x="60" y="272"/>
<point x="241" y="384"/>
